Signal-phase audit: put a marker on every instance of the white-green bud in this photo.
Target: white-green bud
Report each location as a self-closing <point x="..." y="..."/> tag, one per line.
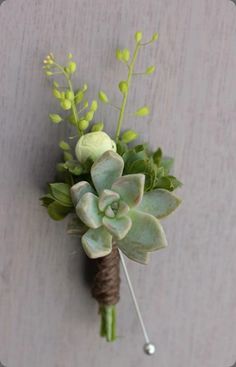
<point x="83" y="124"/>
<point x="129" y="136"/>
<point x="66" y="104"/>
<point x="94" y="106"/>
<point x="72" y="66"/>
<point x="150" y="69"/>
<point x="98" y="126"/>
<point x="103" y="97"/>
<point x="143" y="111"/>
<point x="93" y="145"/>
<point x="69" y="95"/>
<point x="55" y="118"/>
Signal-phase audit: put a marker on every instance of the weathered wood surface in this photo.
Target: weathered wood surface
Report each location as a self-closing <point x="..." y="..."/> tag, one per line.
<point x="187" y="293"/>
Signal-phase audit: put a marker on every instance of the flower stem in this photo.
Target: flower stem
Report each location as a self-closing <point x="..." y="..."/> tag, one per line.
<point x="125" y="96"/>
<point x="108" y="322"/>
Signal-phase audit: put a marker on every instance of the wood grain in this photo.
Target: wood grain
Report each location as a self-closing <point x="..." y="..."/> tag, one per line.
<point x="187" y="293"/>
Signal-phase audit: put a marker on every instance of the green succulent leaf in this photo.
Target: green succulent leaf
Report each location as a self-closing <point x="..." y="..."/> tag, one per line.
<point x="97" y="242"/>
<point x="78" y="190"/>
<point x="117" y="227"/>
<point x="146" y="232"/>
<point x="133" y="252"/>
<point x="61" y="193"/>
<point x="130" y="188"/>
<point x="87" y="210"/>
<point x="106" y="170"/>
<point x="159" y="203"/>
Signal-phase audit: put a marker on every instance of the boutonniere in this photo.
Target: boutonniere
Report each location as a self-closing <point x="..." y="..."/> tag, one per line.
<point x="114" y="191"/>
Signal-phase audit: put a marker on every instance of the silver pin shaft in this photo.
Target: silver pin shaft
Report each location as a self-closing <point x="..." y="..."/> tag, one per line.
<point x="149" y="348"/>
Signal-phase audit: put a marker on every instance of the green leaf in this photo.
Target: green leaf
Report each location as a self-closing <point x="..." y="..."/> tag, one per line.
<point x="167" y="163"/>
<point x="121" y="147"/>
<point x="130" y="188"/>
<point x="74" y="167"/>
<point x="143" y="111"/>
<point x="157" y="156"/>
<point x="47" y="199"/>
<point x="55" y="118"/>
<point x="61" y="193"/>
<point x="64" y="145"/>
<point x="58" y="211"/>
<point x="68" y="156"/>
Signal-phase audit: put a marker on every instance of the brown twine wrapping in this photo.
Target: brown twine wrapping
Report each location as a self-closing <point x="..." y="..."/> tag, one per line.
<point x="106" y="285"/>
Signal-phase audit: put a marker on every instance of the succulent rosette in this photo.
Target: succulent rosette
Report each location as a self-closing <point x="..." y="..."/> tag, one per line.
<point x="116" y="209"/>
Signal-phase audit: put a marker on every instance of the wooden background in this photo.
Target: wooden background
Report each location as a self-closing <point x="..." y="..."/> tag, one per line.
<point x="187" y="293"/>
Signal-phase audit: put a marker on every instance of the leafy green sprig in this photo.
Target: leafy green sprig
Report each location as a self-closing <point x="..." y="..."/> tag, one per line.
<point x="71" y="100"/>
<point x="124" y="86"/>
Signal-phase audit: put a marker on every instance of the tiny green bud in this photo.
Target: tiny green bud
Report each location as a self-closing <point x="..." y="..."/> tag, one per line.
<point x="119" y="54"/>
<point x="66" y="104"/>
<point x="150" y="69"/>
<point x="98" y="126"/>
<point x="155" y="37"/>
<point x="89" y="116"/>
<point x="79" y="96"/>
<point x="85" y="87"/>
<point x="94" y="106"/>
<point x="85" y="106"/>
<point x="69" y="95"/>
<point x="72" y="66"/>
<point x="68" y="156"/>
<point x="56" y="93"/>
<point x="83" y="124"/>
<point x="55" y="84"/>
<point x="143" y="111"/>
<point x="64" y="145"/>
<point x="67" y="70"/>
<point x="138" y="36"/>
<point x="55" y="118"/>
<point x="103" y="97"/>
<point x="126" y="54"/>
<point x="123" y="86"/>
<point x="49" y="73"/>
<point x="70" y="55"/>
<point x="129" y="136"/>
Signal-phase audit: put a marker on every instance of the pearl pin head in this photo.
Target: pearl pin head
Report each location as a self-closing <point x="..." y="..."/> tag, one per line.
<point x="149" y="349"/>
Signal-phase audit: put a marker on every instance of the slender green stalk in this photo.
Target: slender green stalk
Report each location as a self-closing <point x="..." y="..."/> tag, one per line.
<point x="73" y="106"/>
<point x="125" y="96"/>
<point x="108" y="322"/>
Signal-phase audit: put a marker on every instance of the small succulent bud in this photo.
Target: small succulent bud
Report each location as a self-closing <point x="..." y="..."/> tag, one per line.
<point x="57" y="93"/>
<point x="94" y="106"/>
<point x="49" y="73"/>
<point x="123" y="86"/>
<point x="83" y="124"/>
<point x="150" y="70"/>
<point x="155" y="37"/>
<point x="129" y="136"/>
<point x="143" y="111"/>
<point x="85" y="87"/>
<point x="72" y="67"/>
<point x="138" y="36"/>
<point x="69" y="55"/>
<point x="103" y="97"/>
<point x="55" y="84"/>
<point x="55" y="118"/>
<point x="70" y="95"/>
<point x="66" y="104"/>
<point x="93" y="145"/>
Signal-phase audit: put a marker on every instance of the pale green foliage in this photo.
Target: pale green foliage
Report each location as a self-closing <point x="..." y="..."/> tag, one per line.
<point x="120" y="211"/>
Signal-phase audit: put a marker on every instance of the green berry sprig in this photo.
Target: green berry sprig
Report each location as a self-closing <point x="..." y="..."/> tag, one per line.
<point x="71" y="100"/>
<point x="124" y="86"/>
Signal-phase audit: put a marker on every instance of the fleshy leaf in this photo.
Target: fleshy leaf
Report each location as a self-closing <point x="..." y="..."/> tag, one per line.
<point x="146" y="232"/>
<point x="123" y="209"/>
<point x="97" y="242"/>
<point x="87" y="210"/>
<point x="118" y="227"/>
<point x="106" y="170"/>
<point x="159" y="203"/>
<point x="133" y="252"/>
<point x="130" y="188"/>
<point x="78" y="190"/>
<point x="106" y="198"/>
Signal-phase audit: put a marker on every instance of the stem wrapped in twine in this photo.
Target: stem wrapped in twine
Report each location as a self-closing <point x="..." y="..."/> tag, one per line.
<point x="106" y="290"/>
